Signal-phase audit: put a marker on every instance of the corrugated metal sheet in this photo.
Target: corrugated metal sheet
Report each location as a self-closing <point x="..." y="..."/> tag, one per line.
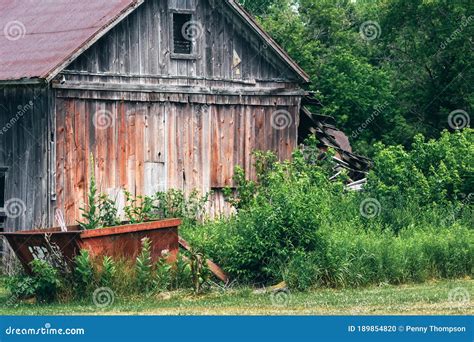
<point x="38" y="36"/>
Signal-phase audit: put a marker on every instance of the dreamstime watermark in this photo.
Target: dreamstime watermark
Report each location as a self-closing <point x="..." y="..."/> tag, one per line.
<point x="14" y="208"/>
<point x="46" y="330"/>
<point x="370" y="208"/>
<point x="465" y="201"/>
<point x="378" y="109"/>
<point x="370" y="30"/>
<point x="459" y="296"/>
<point x="459" y="119"/>
<point x="14" y="30"/>
<point x="202" y="109"/>
<point x="103" y="119"/>
<point x="192" y="30"/>
<point x="22" y="110"/>
<point x="456" y="33"/>
<point x="318" y="33"/>
<point x="103" y="297"/>
<point x="280" y="298"/>
<point x="281" y="119"/>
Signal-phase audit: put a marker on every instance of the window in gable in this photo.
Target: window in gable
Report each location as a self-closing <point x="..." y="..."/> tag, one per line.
<point x="182" y="41"/>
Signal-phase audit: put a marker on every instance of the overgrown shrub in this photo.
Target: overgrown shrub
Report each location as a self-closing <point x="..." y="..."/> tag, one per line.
<point x="293" y="224"/>
<point x="109" y="271"/>
<point x="44" y="283"/>
<point x="181" y="277"/>
<point x="21" y="286"/>
<point x="47" y="281"/>
<point x="144" y="267"/>
<point x="84" y="274"/>
<point x="432" y="172"/>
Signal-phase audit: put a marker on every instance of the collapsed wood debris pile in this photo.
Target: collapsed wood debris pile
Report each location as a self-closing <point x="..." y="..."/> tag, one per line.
<point x="329" y="136"/>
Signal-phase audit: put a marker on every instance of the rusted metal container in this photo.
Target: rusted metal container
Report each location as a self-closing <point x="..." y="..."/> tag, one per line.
<point x="117" y="242"/>
<point x="125" y="241"/>
<point x="29" y="245"/>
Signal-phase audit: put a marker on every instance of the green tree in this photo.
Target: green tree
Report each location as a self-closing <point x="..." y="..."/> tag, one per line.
<point x="385" y="69"/>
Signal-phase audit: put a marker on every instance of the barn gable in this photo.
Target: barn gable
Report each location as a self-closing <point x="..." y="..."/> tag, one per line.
<point x="224" y="45"/>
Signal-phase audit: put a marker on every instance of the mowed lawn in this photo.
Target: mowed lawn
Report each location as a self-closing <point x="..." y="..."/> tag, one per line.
<point x="437" y="297"/>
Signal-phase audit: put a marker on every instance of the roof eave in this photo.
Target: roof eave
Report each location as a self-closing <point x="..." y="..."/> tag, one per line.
<point x="23" y="81"/>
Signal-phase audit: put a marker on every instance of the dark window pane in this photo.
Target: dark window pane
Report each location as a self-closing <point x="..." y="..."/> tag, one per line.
<point x="182" y="44"/>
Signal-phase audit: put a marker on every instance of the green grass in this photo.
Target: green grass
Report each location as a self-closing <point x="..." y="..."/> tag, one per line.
<point x="431" y="298"/>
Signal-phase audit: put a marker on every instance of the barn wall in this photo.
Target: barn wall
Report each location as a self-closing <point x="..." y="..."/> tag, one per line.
<point x="24" y="148"/>
<point x="140" y="45"/>
<point x="176" y="123"/>
<point x="148" y="146"/>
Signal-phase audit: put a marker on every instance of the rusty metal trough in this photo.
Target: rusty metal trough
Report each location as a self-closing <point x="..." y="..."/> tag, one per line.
<point x="117" y="242"/>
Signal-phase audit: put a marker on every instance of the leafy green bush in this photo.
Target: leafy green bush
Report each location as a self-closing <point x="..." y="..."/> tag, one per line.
<point x="434" y="171"/>
<point x="47" y="281"/>
<point x="109" y="271"/>
<point x="200" y="272"/>
<point x="163" y="275"/>
<point x="174" y="204"/>
<point x="138" y="209"/>
<point x="293" y="224"/>
<point x="108" y="212"/>
<point x="181" y="277"/>
<point x="84" y="274"/>
<point x="90" y="213"/>
<point x="21" y="286"/>
<point x="144" y="267"/>
<point x="44" y="283"/>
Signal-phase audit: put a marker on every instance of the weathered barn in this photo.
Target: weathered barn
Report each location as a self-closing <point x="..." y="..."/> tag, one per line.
<point x="164" y="93"/>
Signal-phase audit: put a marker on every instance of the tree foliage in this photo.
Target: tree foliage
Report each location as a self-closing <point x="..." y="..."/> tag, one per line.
<point x="402" y="66"/>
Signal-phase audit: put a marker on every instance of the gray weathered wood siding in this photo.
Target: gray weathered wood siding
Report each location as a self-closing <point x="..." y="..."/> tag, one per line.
<point x="141" y="45"/>
<point x="25" y="134"/>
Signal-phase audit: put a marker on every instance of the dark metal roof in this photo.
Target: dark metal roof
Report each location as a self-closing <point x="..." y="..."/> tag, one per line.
<point x="40" y="37"/>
